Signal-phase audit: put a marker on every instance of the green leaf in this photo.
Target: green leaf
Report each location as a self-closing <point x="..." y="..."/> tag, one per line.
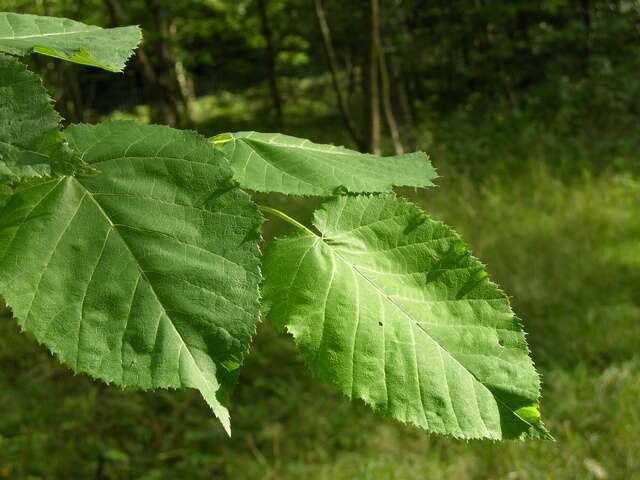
<point x="5" y="194"/>
<point x="29" y="126"/>
<point x="145" y="275"/>
<point x="390" y="307"/>
<point x="109" y="48"/>
<point x="279" y="163"/>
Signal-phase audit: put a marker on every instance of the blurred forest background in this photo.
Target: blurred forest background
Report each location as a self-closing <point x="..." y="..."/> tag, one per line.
<point x="531" y="113"/>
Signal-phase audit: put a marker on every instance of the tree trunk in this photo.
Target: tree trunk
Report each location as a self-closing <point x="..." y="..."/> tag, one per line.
<point x="353" y="75"/>
<point x="158" y="65"/>
<point x="270" y="60"/>
<point x="585" y="10"/>
<point x="412" y="86"/>
<point x="162" y="102"/>
<point x="116" y="13"/>
<point x="164" y="61"/>
<point x="373" y="85"/>
<point x="185" y="82"/>
<point x="386" y="100"/>
<point x="333" y="68"/>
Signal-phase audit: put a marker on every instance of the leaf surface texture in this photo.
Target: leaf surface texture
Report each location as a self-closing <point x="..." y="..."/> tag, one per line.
<point x="145" y="275"/>
<point x="390" y="307"/>
<point x="107" y="48"/>
<point x="29" y="126"/>
<point x="271" y="162"/>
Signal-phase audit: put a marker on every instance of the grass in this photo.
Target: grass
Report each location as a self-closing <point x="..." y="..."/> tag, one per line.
<point x="566" y="252"/>
<point x="566" y="247"/>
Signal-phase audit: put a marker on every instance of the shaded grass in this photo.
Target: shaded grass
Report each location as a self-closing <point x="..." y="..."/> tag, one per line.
<point x="567" y="252"/>
<point x="556" y="219"/>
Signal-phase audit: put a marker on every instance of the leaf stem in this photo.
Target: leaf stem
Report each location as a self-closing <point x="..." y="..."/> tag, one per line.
<point x="285" y="217"/>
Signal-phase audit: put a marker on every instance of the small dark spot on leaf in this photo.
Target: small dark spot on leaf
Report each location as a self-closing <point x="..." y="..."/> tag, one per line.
<point x="380" y="323"/>
<point x="253" y="234"/>
<point x="501" y="342"/>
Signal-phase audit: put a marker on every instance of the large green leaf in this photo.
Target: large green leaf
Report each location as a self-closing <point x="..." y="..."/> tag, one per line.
<point x="389" y="306"/>
<point x="21" y="34"/>
<point x="145" y="275"/>
<point x="268" y="162"/>
<point x="29" y="126"/>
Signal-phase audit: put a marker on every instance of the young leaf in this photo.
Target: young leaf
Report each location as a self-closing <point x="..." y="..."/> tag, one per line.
<point x="21" y="34"/>
<point x="145" y="275"/>
<point x="389" y="306"/>
<point x="29" y="126"/>
<point x="280" y="163"/>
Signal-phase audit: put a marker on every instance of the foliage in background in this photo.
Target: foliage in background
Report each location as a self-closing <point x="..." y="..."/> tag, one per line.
<point x="554" y="65"/>
<point x="131" y="253"/>
<point x="563" y="239"/>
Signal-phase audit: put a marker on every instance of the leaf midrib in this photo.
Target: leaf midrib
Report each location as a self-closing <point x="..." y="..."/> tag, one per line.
<point x="358" y="166"/>
<point x="274" y="166"/>
<point x="381" y="291"/>
<point x="146" y="278"/>
<point x="336" y="150"/>
<point x="22" y="37"/>
<point x="331" y="162"/>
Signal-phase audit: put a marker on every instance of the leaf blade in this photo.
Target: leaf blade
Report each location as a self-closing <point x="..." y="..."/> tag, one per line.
<point x="284" y="164"/>
<point x="109" y="49"/>
<point x="400" y="316"/>
<point x="128" y="279"/>
<point x="29" y="126"/>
